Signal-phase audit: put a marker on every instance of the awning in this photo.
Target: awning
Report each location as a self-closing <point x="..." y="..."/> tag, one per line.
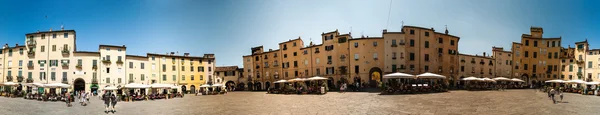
<point x="94" y="86"/>
<point x="431" y="75"/>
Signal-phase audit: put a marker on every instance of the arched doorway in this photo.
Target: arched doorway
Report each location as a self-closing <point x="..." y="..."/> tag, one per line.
<point x="374" y="76"/>
<point x="267" y="85"/>
<point x="525" y="78"/>
<point x="258" y="86"/>
<point x="183" y="89"/>
<point x="250" y="86"/>
<point x="330" y="84"/>
<point x="193" y="89"/>
<point x="240" y="87"/>
<point x="230" y="85"/>
<point x="79" y="84"/>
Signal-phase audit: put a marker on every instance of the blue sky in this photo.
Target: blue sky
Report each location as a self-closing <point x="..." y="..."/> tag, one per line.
<point x="229" y="28"/>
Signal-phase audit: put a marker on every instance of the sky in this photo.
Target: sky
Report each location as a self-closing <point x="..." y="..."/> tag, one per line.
<point x="229" y="28"/>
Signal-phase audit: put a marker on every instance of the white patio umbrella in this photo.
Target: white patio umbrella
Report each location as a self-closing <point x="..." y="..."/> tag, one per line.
<point x="517" y="80"/>
<point x="397" y="75"/>
<point x="34" y="84"/>
<point x="110" y="88"/>
<point x="10" y="84"/>
<point x="280" y="81"/>
<point x="317" y="78"/>
<point x="555" y="81"/>
<point x="488" y="79"/>
<point x="501" y="79"/>
<point x="431" y="75"/>
<point x="471" y="79"/>
<point x="296" y="80"/>
<point x="136" y="86"/>
<point x="592" y="83"/>
<point x="575" y="81"/>
<point x="174" y="87"/>
<point x="205" y="85"/>
<point x="57" y="85"/>
<point x="160" y="85"/>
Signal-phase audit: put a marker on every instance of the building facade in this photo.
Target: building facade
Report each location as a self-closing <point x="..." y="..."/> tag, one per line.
<point x="231" y="77"/>
<point x="52" y="57"/>
<point x="536" y="58"/>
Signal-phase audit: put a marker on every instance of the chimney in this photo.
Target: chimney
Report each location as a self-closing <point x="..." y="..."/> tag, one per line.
<point x="384" y="30"/>
<point x="172" y="53"/>
<point x="186" y="54"/>
<point x="270" y="49"/>
<point x="483" y="54"/>
<point x="16" y="45"/>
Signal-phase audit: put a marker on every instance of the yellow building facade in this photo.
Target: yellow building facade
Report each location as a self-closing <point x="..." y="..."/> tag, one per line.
<point x="51" y="57"/>
<point x="536" y="58"/>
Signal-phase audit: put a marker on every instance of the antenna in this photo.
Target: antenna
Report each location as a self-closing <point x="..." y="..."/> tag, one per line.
<point x="389" y="13"/>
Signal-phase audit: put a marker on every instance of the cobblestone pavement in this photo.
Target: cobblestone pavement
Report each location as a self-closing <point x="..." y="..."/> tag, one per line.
<point x="242" y="103"/>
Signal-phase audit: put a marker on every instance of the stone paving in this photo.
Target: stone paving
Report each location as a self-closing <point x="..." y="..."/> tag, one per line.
<point x="511" y="102"/>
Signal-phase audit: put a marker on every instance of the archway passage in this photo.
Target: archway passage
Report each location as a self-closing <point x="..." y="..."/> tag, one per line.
<point x="79" y="84"/>
<point x="267" y="85"/>
<point x="374" y="76"/>
<point x="230" y="85"/>
<point x="183" y="89"/>
<point x="193" y="89"/>
<point x="330" y="83"/>
<point x="258" y="86"/>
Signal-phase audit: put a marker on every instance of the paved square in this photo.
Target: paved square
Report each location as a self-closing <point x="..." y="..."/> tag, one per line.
<point x="242" y="103"/>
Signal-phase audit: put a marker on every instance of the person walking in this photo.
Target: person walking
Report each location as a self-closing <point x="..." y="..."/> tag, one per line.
<point x="561" y="95"/>
<point x="552" y="92"/>
<point x="68" y="99"/>
<point x="106" y="99"/>
<point x="113" y="99"/>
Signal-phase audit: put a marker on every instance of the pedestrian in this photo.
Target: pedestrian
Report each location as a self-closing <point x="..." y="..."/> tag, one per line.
<point x="67" y="99"/>
<point x="106" y="99"/>
<point x="113" y="99"/>
<point x="561" y="95"/>
<point x="552" y="92"/>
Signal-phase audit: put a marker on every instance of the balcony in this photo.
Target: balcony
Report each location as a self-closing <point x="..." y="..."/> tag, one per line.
<point x="106" y="61"/>
<point x="29" y="80"/>
<point x="580" y="61"/>
<point x="78" y="66"/>
<point x="65" y="65"/>
<point x="394" y="45"/>
<point x="130" y="80"/>
<point x="317" y="51"/>
<point x="19" y="78"/>
<point x="579" y="74"/>
<point x="30" y="65"/>
<point x="65" y="81"/>
<point x="393" y="58"/>
<point x="94" y="67"/>
<point x="462" y="60"/>
<point x="31" y="43"/>
<point x="65" y="52"/>
<point x="402" y="43"/>
<point x="30" y="53"/>
<point x="119" y="62"/>
<point x="9" y="78"/>
<point x="328" y="62"/>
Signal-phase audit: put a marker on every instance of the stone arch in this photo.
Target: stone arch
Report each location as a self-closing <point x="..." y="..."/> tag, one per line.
<point x="79" y="84"/>
<point x="374" y="76"/>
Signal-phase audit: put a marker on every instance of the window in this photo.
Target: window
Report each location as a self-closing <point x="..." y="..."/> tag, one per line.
<point x="589" y="64"/>
<point x="192" y="68"/>
<point x="192" y="78"/>
<point x="462" y="68"/>
<point x="374" y="43"/>
<point x="53" y="76"/>
<point x="329" y="59"/>
<point x="426" y="57"/>
<point x="107" y="70"/>
<point x="426" y="33"/>
<point x="526" y="53"/>
<point x="153" y="58"/>
<point x="107" y="80"/>
<point x="571" y="68"/>
<point x="550" y="55"/>
<point x="318" y="71"/>
<point x="375" y="56"/>
<point x="284" y="55"/>
<point x="142" y="66"/>
<point x="342" y="40"/>
<point x="142" y="77"/>
<point x="526" y="42"/>
<point x="412" y="43"/>
<point x="173" y="68"/>
<point x="174" y="77"/>
<point x="53" y="35"/>
<point x="355" y="44"/>
<point x="317" y="60"/>
<point x="295" y="54"/>
<point x="525" y="67"/>
<point x="164" y="77"/>
<point x="356" y="69"/>
<point x="43" y="36"/>
<point x="66" y="35"/>
<point x="20" y="63"/>
<point x="209" y="69"/>
<point x="553" y="43"/>
<point x="412" y="56"/>
<point x="130" y="64"/>
<point x="427" y="68"/>
<point x="535" y="43"/>
<point x="119" y="80"/>
<point x="534" y="54"/>
<point x="182" y="68"/>
<point x="294" y="44"/>
<point x="356" y="57"/>
<point x="53" y="48"/>
<point x="393" y="42"/>
<point x="182" y="77"/>
<point x="295" y="63"/>
<point x="452" y="42"/>
<point x="440" y="40"/>
<point x="426" y="44"/>
<point x="43" y="48"/>
<point x="412" y="32"/>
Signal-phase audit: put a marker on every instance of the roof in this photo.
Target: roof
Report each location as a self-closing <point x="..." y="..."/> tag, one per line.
<point x="419" y="27"/>
<point x="178" y="56"/>
<point x="478" y="56"/>
<point x="594" y="50"/>
<point x="366" y="38"/>
<point x="393" y="32"/>
<point x="51" y="32"/>
<point x="582" y="42"/>
<point x="330" y="32"/>
<point x="101" y="45"/>
<point x="290" y="40"/>
<point x="86" y="52"/>
<point x="226" y="68"/>
<point x="136" y="56"/>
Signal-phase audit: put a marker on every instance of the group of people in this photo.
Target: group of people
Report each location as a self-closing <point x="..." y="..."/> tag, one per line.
<point x="81" y="96"/>
<point x="552" y="93"/>
<point x="110" y="101"/>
